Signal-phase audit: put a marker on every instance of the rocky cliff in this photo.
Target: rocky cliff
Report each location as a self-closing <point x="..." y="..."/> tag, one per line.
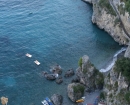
<point x="89" y="78"/>
<point x="89" y="75"/>
<point x="116" y="84"/>
<point x="105" y="18"/>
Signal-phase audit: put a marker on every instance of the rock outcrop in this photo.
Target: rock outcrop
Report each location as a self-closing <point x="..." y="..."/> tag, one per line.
<point x="59" y="80"/>
<point x="89" y="75"/>
<point x="57" y="99"/>
<point x="76" y="80"/>
<point x="116" y="88"/>
<point x="56" y="69"/>
<point x="50" y="77"/>
<point x="75" y="91"/>
<point x="69" y="73"/>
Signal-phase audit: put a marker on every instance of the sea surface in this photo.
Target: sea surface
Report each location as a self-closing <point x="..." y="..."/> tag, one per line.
<point x="54" y="32"/>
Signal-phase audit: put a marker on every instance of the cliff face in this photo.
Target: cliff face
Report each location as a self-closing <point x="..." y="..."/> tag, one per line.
<point x="116" y="88"/>
<point x="116" y="85"/>
<point x="107" y="20"/>
<point x="127" y="53"/>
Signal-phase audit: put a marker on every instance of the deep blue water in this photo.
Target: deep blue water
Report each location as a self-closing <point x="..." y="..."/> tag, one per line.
<point x="54" y="32"/>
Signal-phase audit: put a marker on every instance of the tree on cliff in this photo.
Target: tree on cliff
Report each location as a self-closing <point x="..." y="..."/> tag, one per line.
<point x="123" y="65"/>
<point x="80" y="62"/>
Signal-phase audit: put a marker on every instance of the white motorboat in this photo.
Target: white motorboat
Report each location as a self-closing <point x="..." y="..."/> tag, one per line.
<point x="28" y="55"/>
<point x="37" y="62"/>
<point x="44" y="102"/>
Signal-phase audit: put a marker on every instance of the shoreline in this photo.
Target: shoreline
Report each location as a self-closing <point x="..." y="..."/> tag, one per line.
<point x="115" y="57"/>
<point x="111" y="63"/>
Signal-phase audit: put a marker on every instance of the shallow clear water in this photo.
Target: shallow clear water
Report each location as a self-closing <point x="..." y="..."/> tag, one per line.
<point x="54" y="32"/>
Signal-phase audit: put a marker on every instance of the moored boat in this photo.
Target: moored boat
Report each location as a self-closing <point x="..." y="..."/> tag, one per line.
<point x="49" y="101"/>
<point x="37" y="62"/>
<point x="44" y="102"/>
<point x="80" y="100"/>
<point x="28" y="55"/>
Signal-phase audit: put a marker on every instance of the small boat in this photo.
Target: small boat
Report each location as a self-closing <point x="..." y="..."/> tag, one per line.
<point x="49" y="101"/>
<point x="29" y="55"/>
<point x="80" y="100"/>
<point x="44" y="102"/>
<point x="38" y="63"/>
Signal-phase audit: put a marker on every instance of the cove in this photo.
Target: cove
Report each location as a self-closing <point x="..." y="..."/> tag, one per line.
<point x="54" y="32"/>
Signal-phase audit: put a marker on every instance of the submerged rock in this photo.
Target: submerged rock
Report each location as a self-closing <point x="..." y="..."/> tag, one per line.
<point x="59" y="80"/>
<point x="57" y="99"/>
<point x="56" y="69"/>
<point x="50" y="77"/>
<point x="69" y="73"/>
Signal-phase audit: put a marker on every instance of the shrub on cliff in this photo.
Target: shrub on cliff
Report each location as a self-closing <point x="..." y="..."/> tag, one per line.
<point x="127" y="97"/>
<point x="102" y="96"/>
<point x="100" y="78"/>
<point x="127" y="6"/>
<point x="123" y="65"/>
<point x="79" y="89"/>
<point x="80" y="62"/>
<point x="106" y="5"/>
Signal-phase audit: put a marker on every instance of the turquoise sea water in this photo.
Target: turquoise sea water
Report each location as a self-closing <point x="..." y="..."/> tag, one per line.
<point x="54" y="32"/>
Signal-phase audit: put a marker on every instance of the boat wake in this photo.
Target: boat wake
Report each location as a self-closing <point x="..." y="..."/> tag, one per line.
<point x="114" y="60"/>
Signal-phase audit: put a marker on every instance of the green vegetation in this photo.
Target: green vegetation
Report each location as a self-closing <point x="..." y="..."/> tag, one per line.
<point x="123" y="65"/>
<point x="127" y="5"/>
<point x="127" y="97"/>
<point x="96" y="71"/>
<point x="108" y="75"/>
<point x="100" y="80"/>
<point x="110" y="96"/>
<point x="102" y="96"/>
<point x="121" y="9"/>
<point x="116" y="84"/>
<point x="79" y="89"/>
<point x="116" y="21"/>
<point x="109" y="87"/>
<point x="106" y="5"/>
<point x="80" y="62"/>
<point x="84" y="71"/>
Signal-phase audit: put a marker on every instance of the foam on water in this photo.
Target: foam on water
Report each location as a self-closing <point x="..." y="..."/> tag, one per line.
<point x="114" y="60"/>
